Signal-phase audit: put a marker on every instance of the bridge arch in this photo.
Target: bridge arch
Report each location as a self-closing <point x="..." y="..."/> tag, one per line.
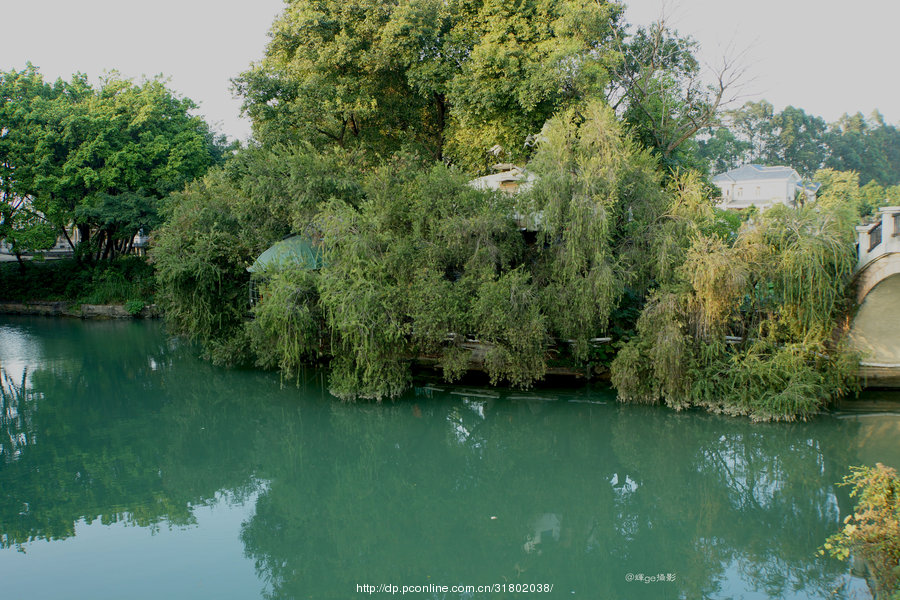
<point x="875" y="331"/>
<point x="878" y="249"/>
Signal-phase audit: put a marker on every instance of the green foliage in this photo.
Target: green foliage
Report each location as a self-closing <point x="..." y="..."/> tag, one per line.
<point x="134" y="307"/>
<point x="653" y="366"/>
<point x="106" y="282"/>
<point x="722" y="149"/>
<point x="658" y="89"/>
<point x="840" y="189"/>
<point x="22" y="228"/>
<point x="404" y="271"/>
<point x="869" y="147"/>
<point x="781" y="287"/>
<point x="769" y="380"/>
<point x="808" y="256"/>
<point x="286" y="331"/>
<point x="99" y="158"/>
<point x="201" y="255"/>
<point x="283" y="187"/>
<point x="508" y="318"/>
<point x="442" y="78"/>
<point x="872" y="532"/>
<point x="590" y="178"/>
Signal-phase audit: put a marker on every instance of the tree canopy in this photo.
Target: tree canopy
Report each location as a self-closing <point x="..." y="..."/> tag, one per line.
<point x="449" y="79"/>
<point x="756" y="133"/>
<point x="100" y="157"/>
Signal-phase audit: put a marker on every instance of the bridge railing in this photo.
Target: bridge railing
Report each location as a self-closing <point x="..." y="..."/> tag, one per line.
<point x="878" y="238"/>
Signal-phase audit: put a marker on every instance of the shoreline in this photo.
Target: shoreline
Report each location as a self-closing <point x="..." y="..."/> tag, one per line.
<point x="872" y="377"/>
<point x="61" y="308"/>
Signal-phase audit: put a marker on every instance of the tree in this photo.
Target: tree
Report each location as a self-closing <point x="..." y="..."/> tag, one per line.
<point x="659" y="90"/>
<point x="100" y="158"/>
<point x="799" y="141"/>
<point x="791" y="137"/>
<point x="22" y="227"/>
<point x="752" y="123"/>
<point x="872" y="532"/>
<point x="839" y="189"/>
<point x="722" y="149"/>
<point x="781" y="287"/>
<point x="868" y="146"/>
<point x="449" y="79"/>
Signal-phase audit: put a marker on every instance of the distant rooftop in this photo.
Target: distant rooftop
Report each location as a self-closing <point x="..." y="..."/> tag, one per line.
<point x="756" y="172"/>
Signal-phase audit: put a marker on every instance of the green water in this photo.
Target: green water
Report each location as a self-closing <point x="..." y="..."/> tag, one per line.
<point x="131" y="469"/>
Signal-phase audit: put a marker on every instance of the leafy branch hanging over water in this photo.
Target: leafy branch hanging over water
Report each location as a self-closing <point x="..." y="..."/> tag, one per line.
<point x="420" y="263"/>
<point x="780" y="291"/>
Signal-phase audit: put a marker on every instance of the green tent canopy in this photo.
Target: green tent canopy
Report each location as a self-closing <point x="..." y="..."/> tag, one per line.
<point x="294" y="250"/>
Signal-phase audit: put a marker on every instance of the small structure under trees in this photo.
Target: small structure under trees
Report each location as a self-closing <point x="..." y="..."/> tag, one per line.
<point x="292" y="251"/>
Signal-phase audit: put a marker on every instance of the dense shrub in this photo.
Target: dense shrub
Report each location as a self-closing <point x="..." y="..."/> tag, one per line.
<point x="872" y="532"/>
<point x="104" y="282"/>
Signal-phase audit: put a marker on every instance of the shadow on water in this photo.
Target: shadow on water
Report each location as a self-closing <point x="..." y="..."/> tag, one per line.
<point x="115" y="422"/>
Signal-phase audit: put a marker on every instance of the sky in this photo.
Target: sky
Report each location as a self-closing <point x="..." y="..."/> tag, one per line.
<point x="200" y="44"/>
<point x="827" y="58"/>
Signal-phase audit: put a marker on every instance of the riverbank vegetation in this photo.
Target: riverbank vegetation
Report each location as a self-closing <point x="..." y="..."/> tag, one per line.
<point x="611" y="237"/>
<point x="371" y="121"/>
<point x="709" y="311"/>
<point x="872" y="532"/>
<point x="120" y="281"/>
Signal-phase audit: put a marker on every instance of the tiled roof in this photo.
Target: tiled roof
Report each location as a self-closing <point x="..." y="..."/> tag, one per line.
<point x="755" y="172"/>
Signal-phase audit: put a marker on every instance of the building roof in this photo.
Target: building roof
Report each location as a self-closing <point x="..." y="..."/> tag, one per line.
<point x="294" y="250"/>
<point x="811" y="187"/>
<point x="512" y="175"/>
<point x="756" y="173"/>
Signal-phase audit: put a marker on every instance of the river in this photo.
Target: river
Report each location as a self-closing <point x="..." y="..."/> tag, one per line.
<point x="130" y="468"/>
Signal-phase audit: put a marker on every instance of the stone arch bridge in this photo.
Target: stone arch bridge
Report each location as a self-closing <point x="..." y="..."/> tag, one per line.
<point x="876" y="327"/>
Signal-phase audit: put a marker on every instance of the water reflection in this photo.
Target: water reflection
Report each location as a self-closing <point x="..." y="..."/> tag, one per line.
<point x="115" y="423"/>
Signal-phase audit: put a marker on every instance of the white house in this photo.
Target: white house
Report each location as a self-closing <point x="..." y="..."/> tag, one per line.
<point x="763" y="187"/>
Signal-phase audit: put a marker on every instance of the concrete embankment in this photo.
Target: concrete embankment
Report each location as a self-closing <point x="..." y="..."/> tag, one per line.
<point x="79" y="311"/>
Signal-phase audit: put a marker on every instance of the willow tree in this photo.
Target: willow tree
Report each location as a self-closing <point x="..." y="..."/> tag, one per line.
<point x="218" y="225"/>
<point x="746" y="328"/>
<point x="201" y="255"/>
<point x="594" y="190"/>
<point x="407" y="273"/>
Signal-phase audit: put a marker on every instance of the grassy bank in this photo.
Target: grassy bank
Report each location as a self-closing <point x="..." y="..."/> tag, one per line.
<point x="127" y="280"/>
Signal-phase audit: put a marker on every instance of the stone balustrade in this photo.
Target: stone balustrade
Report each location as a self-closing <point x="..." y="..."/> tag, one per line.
<point x="879" y="238"/>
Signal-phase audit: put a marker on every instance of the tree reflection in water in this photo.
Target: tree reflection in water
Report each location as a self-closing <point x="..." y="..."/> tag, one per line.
<point x="446" y="486"/>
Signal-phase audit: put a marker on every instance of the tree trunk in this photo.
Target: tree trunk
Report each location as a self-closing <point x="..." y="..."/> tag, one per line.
<point x="68" y="239"/>
<point x="84" y="236"/>
<point x="98" y="238"/>
<point x="110" y="242"/>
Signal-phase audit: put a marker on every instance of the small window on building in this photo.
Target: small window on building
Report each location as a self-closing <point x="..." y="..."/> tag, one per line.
<point x="740" y="192"/>
<point x="757" y="191"/>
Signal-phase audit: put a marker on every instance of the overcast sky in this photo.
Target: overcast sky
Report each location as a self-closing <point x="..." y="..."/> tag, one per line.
<point x="827" y="58"/>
